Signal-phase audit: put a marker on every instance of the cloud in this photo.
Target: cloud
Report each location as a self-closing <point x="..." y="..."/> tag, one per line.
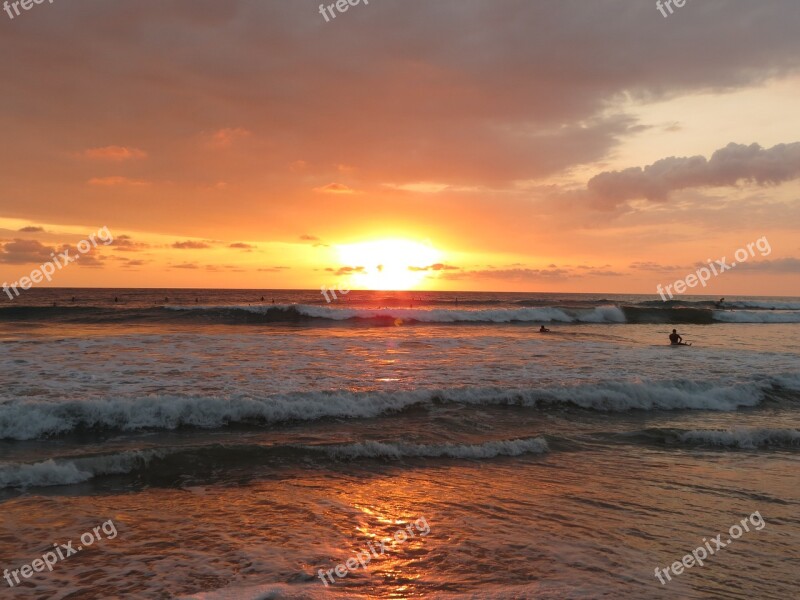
<point x="225" y="268"/>
<point x="309" y="238"/>
<point x="114" y="153"/>
<point x="125" y="243"/>
<point x="551" y="273"/>
<point x="435" y="267"/>
<point x="32" y="229"/>
<point x="242" y="246"/>
<point x="515" y="274"/>
<point x="273" y="269"/>
<point x="19" y="252"/>
<point x="334" y="188"/>
<point x="129" y="263"/>
<point x="88" y="260"/>
<point x="185" y="265"/>
<point x="727" y="166"/>
<point x="431" y="187"/>
<point x="134" y="263"/>
<point x="471" y="97"/>
<point x="191" y="245"/>
<point x="779" y="265"/>
<point x="653" y="266"/>
<point x="114" y="181"/>
<point x="350" y="270"/>
<point x="225" y="137"/>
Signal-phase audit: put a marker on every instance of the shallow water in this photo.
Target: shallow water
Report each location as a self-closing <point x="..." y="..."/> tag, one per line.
<point x="239" y="449"/>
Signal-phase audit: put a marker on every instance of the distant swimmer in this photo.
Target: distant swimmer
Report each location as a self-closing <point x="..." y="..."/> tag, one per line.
<point x="721" y="302"/>
<point x="543" y="329"/>
<point x="676" y="340"/>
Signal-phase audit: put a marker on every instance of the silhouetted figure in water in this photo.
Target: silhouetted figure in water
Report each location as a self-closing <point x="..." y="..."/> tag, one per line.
<point x="543" y="329"/>
<point x="73" y="298"/>
<point x="721" y="302"/>
<point x="273" y="300"/>
<point x="676" y="340"/>
<point x="116" y="299"/>
<point x="262" y="298"/>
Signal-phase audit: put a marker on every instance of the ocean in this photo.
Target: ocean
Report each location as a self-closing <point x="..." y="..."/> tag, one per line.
<point x="254" y="444"/>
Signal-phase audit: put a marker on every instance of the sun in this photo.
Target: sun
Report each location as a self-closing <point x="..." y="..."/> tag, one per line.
<point x="392" y="264"/>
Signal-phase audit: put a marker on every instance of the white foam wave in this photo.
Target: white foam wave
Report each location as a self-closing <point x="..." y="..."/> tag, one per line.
<point x="66" y="472"/>
<point x="742" y="438"/>
<point x="372" y="449"/>
<point x="600" y="314"/>
<point x="756" y="316"/>
<point x="23" y="419"/>
<point x="765" y="305"/>
<point x="26" y="419"/>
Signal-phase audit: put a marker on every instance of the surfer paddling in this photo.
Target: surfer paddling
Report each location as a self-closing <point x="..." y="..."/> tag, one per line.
<point x="676" y="340"/>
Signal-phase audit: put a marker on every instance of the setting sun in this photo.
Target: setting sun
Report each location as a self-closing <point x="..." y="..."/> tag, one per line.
<point x="387" y="264"/>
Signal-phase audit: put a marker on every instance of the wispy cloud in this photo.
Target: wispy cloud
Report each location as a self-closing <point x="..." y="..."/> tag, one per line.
<point x="334" y="188"/>
<point x="114" y="153"/>
<point x="435" y="267"/>
<point x="114" y="181"/>
<point x="191" y="245"/>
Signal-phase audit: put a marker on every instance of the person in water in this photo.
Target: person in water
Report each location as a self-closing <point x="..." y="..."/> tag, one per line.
<point x="543" y="329"/>
<point x="675" y="339"/>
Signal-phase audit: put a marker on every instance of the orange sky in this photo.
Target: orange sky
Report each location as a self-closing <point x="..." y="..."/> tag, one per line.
<point x="491" y="145"/>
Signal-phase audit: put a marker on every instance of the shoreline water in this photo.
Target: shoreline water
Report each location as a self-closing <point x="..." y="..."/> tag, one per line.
<point x="238" y="454"/>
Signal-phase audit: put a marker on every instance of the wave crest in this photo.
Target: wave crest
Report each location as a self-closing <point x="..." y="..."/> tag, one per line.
<point x="746" y="439"/>
<point x="25" y="419"/>
<point x="393" y="450"/>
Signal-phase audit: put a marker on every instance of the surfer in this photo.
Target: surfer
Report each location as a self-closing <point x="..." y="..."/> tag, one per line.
<point x="543" y="329"/>
<point x="721" y="302"/>
<point x="676" y="340"/>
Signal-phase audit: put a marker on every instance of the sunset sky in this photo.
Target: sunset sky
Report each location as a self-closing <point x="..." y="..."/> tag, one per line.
<point x="504" y="145"/>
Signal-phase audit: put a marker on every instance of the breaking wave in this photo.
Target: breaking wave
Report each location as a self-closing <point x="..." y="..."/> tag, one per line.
<point x="29" y="418"/>
<point x="51" y="472"/>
